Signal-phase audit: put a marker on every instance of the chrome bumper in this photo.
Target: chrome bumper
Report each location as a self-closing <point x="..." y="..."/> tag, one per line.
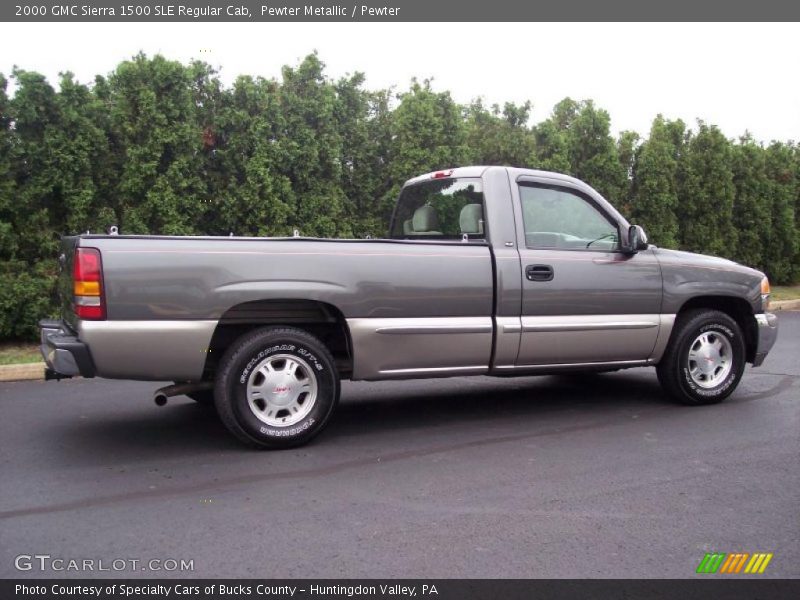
<point x="767" y="325"/>
<point x="65" y="355"/>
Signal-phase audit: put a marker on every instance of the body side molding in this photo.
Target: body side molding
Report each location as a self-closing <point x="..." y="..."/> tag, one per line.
<point x="388" y="348"/>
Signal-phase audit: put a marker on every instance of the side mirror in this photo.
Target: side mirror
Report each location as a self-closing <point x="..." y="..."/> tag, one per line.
<point x="637" y="239"/>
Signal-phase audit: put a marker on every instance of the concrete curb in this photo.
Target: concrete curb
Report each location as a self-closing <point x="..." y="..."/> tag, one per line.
<point x="22" y="372"/>
<point x="785" y="305"/>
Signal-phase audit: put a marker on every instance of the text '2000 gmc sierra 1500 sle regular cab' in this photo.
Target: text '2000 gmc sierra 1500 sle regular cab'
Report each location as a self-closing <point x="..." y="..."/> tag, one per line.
<point x="486" y="270"/>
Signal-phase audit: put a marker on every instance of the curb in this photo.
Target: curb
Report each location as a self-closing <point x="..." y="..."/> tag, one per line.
<point x="22" y="372"/>
<point x="785" y="305"/>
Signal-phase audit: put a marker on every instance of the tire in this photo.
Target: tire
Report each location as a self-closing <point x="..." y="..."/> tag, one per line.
<point x="705" y="358"/>
<point x="276" y="387"/>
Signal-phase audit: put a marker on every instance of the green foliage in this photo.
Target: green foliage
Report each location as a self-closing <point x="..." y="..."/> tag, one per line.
<point x="156" y="141"/>
<point x="575" y="140"/>
<point x="593" y="153"/>
<point x="655" y="195"/>
<point x="752" y="211"/>
<point x="706" y="193"/>
<point x="627" y="147"/>
<point x="496" y="137"/>
<point x="26" y="296"/>
<point x="8" y="237"/>
<point x="165" y="148"/>
<point x="781" y="244"/>
<point x="428" y="133"/>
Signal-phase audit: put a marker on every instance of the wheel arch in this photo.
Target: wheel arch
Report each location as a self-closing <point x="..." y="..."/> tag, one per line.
<point x="321" y="319"/>
<point x="736" y="308"/>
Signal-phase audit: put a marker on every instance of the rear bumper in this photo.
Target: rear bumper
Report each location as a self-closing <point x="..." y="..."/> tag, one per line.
<point x="767" y="325"/>
<point x="64" y="353"/>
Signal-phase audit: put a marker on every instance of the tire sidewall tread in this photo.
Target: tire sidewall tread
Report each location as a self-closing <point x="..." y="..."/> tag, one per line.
<point x="237" y="365"/>
<point x="673" y="372"/>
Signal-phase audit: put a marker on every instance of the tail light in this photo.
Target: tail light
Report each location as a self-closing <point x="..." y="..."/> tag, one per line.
<point x="87" y="281"/>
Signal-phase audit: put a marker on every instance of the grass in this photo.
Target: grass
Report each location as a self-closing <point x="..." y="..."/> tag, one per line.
<point x="785" y="292"/>
<point x="12" y="353"/>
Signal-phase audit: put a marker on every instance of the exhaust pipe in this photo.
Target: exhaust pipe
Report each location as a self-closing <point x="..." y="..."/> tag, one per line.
<point x="161" y="394"/>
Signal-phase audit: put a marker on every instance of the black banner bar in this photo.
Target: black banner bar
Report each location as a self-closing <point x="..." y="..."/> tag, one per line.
<point x="397" y="10"/>
<point x="375" y="589"/>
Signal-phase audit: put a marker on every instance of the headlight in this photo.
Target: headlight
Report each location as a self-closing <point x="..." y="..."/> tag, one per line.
<point x="765" y="292"/>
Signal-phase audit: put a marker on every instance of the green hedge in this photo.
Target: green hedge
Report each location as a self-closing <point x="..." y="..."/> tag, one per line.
<point x="165" y="148"/>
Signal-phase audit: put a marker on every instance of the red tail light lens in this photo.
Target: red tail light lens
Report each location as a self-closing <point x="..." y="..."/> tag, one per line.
<point x="86" y="266"/>
<point x="87" y="281"/>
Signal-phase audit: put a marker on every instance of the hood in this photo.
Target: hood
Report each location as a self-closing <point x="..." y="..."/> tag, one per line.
<point x="680" y="257"/>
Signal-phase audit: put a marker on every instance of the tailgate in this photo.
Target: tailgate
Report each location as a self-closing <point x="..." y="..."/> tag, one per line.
<point x="65" y="288"/>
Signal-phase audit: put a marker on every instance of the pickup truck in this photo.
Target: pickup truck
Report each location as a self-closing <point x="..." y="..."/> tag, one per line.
<point x="486" y="271"/>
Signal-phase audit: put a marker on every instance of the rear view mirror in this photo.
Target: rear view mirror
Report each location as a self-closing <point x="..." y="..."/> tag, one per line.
<point x="637" y="238"/>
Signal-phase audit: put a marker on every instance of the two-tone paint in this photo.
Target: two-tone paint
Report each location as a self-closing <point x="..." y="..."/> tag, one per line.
<point x="410" y="308"/>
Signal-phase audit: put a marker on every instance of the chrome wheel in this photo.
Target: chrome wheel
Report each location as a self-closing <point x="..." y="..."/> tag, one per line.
<point x="282" y="390"/>
<point x="710" y="359"/>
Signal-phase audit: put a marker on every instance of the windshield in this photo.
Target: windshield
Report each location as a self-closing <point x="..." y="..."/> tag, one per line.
<point x="440" y="209"/>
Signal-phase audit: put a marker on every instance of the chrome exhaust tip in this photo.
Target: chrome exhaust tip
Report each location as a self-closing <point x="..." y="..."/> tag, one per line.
<point x="161" y="395"/>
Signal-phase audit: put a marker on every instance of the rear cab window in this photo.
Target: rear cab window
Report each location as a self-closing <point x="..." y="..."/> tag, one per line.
<point x="440" y="209"/>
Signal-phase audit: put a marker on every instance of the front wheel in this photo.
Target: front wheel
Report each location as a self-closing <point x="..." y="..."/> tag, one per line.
<point x="276" y="387"/>
<point x="705" y="358"/>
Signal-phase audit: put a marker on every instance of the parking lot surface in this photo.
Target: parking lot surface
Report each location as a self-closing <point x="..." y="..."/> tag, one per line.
<point x="579" y="476"/>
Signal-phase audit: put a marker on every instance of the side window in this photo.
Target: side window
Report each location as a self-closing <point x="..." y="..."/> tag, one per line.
<point x="561" y="219"/>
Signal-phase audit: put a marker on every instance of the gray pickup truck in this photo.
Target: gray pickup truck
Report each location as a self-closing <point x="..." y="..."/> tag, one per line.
<point x="486" y="271"/>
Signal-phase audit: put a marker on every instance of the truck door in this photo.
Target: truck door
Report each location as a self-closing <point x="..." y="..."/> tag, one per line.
<point x="583" y="300"/>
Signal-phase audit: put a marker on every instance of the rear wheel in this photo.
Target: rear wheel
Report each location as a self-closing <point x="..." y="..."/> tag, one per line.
<point x="705" y="358"/>
<point x="276" y="387"/>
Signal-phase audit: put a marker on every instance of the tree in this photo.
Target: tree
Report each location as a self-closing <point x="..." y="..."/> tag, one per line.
<point x="499" y="137"/>
<point x="576" y="140"/>
<point x="706" y="193"/>
<point x="428" y="133"/>
<point x="655" y="196"/>
<point x="30" y="204"/>
<point x="8" y="238"/>
<point x="156" y="143"/>
<point x="248" y="195"/>
<point x="781" y="244"/>
<point x="593" y="152"/>
<point x="312" y="148"/>
<point x="165" y="148"/>
<point x="628" y="144"/>
<point x="364" y="123"/>
<point x="752" y="210"/>
<point x="551" y="148"/>
<point x="37" y="203"/>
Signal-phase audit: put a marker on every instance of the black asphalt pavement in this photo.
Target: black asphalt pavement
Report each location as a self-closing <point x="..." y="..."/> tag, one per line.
<point x="593" y="476"/>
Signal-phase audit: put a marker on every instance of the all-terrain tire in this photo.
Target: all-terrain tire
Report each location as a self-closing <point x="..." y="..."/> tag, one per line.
<point x="705" y="358"/>
<point x="276" y="387"/>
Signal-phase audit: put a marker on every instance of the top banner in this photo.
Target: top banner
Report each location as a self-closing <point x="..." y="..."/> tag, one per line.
<point x="400" y="11"/>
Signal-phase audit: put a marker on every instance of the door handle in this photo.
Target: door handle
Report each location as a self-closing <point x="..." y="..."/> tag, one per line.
<point x="539" y="272"/>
